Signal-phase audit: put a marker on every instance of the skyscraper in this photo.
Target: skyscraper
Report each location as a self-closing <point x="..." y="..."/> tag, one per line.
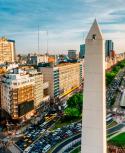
<point x="109" y="46"/>
<point x="82" y="51"/>
<point x="94" y="107"/>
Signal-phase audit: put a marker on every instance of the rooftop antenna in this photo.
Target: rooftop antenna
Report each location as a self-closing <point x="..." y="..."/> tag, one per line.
<point x="47" y="41"/>
<point x="38" y="38"/>
<point x="83" y="37"/>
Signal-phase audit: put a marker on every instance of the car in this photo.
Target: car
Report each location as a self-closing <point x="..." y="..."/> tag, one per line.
<point x="69" y="133"/>
<point x="54" y="134"/>
<point x="46" y="148"/>
<point x="79" y="124"/>
<point x="29" y="135"/>
<point x="58" y="129"/>
<point x="42" y="142"/>
<point x="26" y="132"/>
<point x="57" y="138"/>
<point x="65" y="135"/>
<point x="37" y="133"/>
<point x="43" y="130"/>
<point x="44" y="123"/>
<point x="28" y="149"/>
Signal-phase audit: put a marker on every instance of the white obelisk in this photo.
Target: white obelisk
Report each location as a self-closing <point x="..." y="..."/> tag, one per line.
<point x="94" y="107"/>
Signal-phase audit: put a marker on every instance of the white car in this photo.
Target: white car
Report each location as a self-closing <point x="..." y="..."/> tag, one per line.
<point x="28" y="149"/>
<point x="46" y="148"/>
<point x="43" y="130"/>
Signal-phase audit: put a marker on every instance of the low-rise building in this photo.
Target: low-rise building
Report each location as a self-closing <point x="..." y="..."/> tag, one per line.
<point x="36" y="59"/>
<point x="111" y="61"/>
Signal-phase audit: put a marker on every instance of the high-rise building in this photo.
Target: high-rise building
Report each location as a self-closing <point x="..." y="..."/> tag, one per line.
<point x="63" y="78"/>
<point x="22" y="93"/>
<point x="7" y="50"/>
<point x="72" y="54"/>
<point x="82" y="51"/>
<point x="94" y="106"/>
<point x="109" y="46"/>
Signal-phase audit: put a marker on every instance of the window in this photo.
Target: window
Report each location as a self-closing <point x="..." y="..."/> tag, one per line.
<point x="94" y="36"/>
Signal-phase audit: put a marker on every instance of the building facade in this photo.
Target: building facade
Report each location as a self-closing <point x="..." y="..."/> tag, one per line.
<point x="111" y="61"/>
<point x="36" y="59"/>
<point x="63" y="78"/>
<point x="22" y="93"/>
<point x="7" y="50"/>
<point x="72" y="54"/>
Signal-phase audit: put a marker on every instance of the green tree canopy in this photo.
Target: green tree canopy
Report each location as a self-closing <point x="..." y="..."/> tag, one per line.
<point x="72" y="112"/>
<point x="75" y="104"/>
<point x="111" y="75"/>
<point x="116" y="69"/>
<point x="76" y="101"/>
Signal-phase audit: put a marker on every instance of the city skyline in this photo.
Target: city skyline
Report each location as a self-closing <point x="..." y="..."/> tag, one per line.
<point x="67" y="23"/>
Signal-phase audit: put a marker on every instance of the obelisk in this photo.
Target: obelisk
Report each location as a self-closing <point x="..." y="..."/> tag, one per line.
<point x="94" y="106"/>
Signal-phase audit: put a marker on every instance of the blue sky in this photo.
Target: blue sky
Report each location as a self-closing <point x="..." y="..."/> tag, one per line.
<point x="67" y="22"/>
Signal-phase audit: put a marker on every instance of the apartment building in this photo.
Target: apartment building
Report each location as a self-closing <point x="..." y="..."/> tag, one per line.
<point x="40" y="88"/>
<point x="63" y="78"/>
<point x="7" y="50"/>
<point x="21" y="93"/>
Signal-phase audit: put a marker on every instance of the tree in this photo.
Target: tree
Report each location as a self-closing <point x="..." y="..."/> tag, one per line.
<point x="72" y="112"/>
<point x="72" y="101"/>
<point x="121" y="64"/>
<point x="116" y="69"/>
<point x="76" y="101"/>
<point x="79" y="103"/>
<point x="75" y="104"/>
<point x="109" y="77"/>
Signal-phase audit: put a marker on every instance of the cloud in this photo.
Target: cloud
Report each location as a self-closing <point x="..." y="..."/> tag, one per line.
<point x="67" y="21"/>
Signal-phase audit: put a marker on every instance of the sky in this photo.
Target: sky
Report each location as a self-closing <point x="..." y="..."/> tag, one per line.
<point x="67" y="23"/>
